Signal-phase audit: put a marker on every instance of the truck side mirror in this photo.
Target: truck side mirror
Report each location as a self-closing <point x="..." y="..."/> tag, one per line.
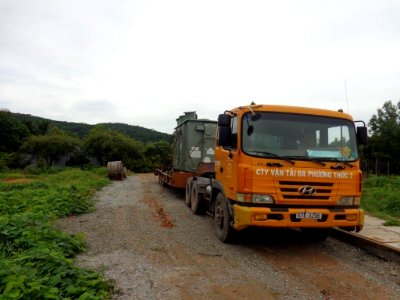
<point x="224" y="130"/>
<point x="362" y="135"/>
<point x="224" y="136"/>
<point x="224" y="120"/>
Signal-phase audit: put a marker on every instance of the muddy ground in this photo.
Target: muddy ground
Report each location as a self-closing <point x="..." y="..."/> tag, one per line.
<point x="144" y="238"/>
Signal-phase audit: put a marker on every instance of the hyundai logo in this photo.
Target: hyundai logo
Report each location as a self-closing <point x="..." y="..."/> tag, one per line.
<point x="307" y="190"/>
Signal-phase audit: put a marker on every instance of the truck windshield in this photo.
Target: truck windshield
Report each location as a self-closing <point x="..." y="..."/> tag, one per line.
<point x="299" y="136"/>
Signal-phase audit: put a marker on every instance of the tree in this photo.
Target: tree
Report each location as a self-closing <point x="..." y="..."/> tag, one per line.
<point x="107" y="145"/>
<point x="12" y="132"/>
<point x="51" y="147"/>
<point x="43" y="126"/>
<point x="158" y="154"/>
<point x="384" y="143"/>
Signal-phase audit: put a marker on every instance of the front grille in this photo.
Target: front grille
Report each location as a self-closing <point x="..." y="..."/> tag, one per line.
<point x="290" y="190"/>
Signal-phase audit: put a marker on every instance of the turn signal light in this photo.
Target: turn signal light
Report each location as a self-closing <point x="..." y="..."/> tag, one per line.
<point x="348" y="201"/>
<point x="260" y="217"/>
<point x="351" y="217"/>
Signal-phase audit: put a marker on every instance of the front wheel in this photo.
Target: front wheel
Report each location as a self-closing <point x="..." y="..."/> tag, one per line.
<point x="222" y="220"/>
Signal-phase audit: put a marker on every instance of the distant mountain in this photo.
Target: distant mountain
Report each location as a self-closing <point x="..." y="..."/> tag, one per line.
<point x="139" y="133"/>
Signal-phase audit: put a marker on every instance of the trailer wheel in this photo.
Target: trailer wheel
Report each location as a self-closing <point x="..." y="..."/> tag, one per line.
<point x="222" y="219"/>
<point x="189" y="183"/>
<point x="196" y="200"/>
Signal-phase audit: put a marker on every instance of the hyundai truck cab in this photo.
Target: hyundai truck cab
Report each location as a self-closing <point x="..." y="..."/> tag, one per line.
<point x="286" y="166"/>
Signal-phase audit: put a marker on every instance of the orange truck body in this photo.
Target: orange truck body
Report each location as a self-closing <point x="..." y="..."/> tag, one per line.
<point x="290" y="185"/>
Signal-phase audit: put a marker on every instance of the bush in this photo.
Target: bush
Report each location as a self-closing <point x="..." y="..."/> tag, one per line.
<point x="14" y="160"/>
<point x="50" y="147"/>
<point x="107" y="145"/>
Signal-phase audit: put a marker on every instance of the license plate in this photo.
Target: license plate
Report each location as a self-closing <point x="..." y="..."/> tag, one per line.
<point x="309" y="215"/>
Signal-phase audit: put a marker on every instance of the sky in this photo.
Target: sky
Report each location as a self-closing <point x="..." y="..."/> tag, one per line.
<point x="145" y="62"/>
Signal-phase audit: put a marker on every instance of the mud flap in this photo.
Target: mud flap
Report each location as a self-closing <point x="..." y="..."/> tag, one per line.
<point x="241" y="217"/>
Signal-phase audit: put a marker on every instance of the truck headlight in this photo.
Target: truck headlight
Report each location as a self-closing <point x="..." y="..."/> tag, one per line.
<point x="263" y="198"/>
<point x="348" y="201"/>
<point x="255" y="198"/>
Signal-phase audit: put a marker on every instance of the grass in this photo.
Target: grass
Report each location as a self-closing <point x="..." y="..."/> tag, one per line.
<point x="381" y="198"/>
<point x="35" y="257"/>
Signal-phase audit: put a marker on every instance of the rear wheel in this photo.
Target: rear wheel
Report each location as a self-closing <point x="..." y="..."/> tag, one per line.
<point x="196" y="200"/>
<point x="189" y="183"/>
<point x="222" y="220"/>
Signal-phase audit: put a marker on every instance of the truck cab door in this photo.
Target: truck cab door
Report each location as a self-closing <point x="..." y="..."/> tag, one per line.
<point x="226" y="156"/>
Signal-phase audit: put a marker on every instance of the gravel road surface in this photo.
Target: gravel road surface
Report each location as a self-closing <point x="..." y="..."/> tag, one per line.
<point x="144" y="238"/>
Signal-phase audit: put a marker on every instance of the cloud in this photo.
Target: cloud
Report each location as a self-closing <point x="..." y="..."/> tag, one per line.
<point x="146" y="62"/>
<point x="95" y="111"/>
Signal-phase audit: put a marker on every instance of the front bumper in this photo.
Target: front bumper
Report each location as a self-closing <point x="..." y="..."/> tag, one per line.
<point x="245" y="216"/>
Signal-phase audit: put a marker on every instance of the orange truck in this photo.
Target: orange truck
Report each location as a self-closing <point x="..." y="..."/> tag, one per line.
<point x="275" y="166"/>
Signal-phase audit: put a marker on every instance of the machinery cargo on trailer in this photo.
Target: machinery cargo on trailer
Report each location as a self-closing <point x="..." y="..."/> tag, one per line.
<point x="193" y="150"/>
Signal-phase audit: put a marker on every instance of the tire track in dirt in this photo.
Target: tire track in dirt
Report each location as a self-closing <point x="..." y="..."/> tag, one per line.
<point x="159" y="213"/>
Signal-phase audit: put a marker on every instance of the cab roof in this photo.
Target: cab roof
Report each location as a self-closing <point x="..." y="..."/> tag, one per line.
<point x="292" y="109"/>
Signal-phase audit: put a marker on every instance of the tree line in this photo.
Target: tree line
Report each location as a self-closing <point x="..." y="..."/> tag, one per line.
<point x="384" y="141"/>
<point x="41" y="142"/>
<point x="139" y="133"/>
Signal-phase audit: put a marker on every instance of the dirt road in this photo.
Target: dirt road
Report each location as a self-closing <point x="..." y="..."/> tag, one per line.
<point x="145" y="238"/>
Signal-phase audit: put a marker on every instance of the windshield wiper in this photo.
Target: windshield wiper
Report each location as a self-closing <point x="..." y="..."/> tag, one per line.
<point x="309" y="159"/>
<point x="273" y="155"/>
<point x="340" y="167"/>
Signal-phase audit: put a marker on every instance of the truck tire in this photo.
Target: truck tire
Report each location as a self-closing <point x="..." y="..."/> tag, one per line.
<point x="188" y="192"/>
<point x="222" y="220"/>
<point x="196" y="200"/>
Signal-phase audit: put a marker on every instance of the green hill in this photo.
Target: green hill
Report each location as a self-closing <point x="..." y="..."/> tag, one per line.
<point x="139" y="133"/>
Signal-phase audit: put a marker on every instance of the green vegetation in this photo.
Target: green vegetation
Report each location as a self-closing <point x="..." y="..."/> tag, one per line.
<point x="35" y="257"/>
<point x="12" y="132"/>
<point x="138" y="133"/>
<point x="384" y="143"/>
<point x="26" y="140"/>
<point x="107" y="145"/>
<point x="141" y="134"/>
<point x="381" y="198"/>
<point x="52" y="146"/>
